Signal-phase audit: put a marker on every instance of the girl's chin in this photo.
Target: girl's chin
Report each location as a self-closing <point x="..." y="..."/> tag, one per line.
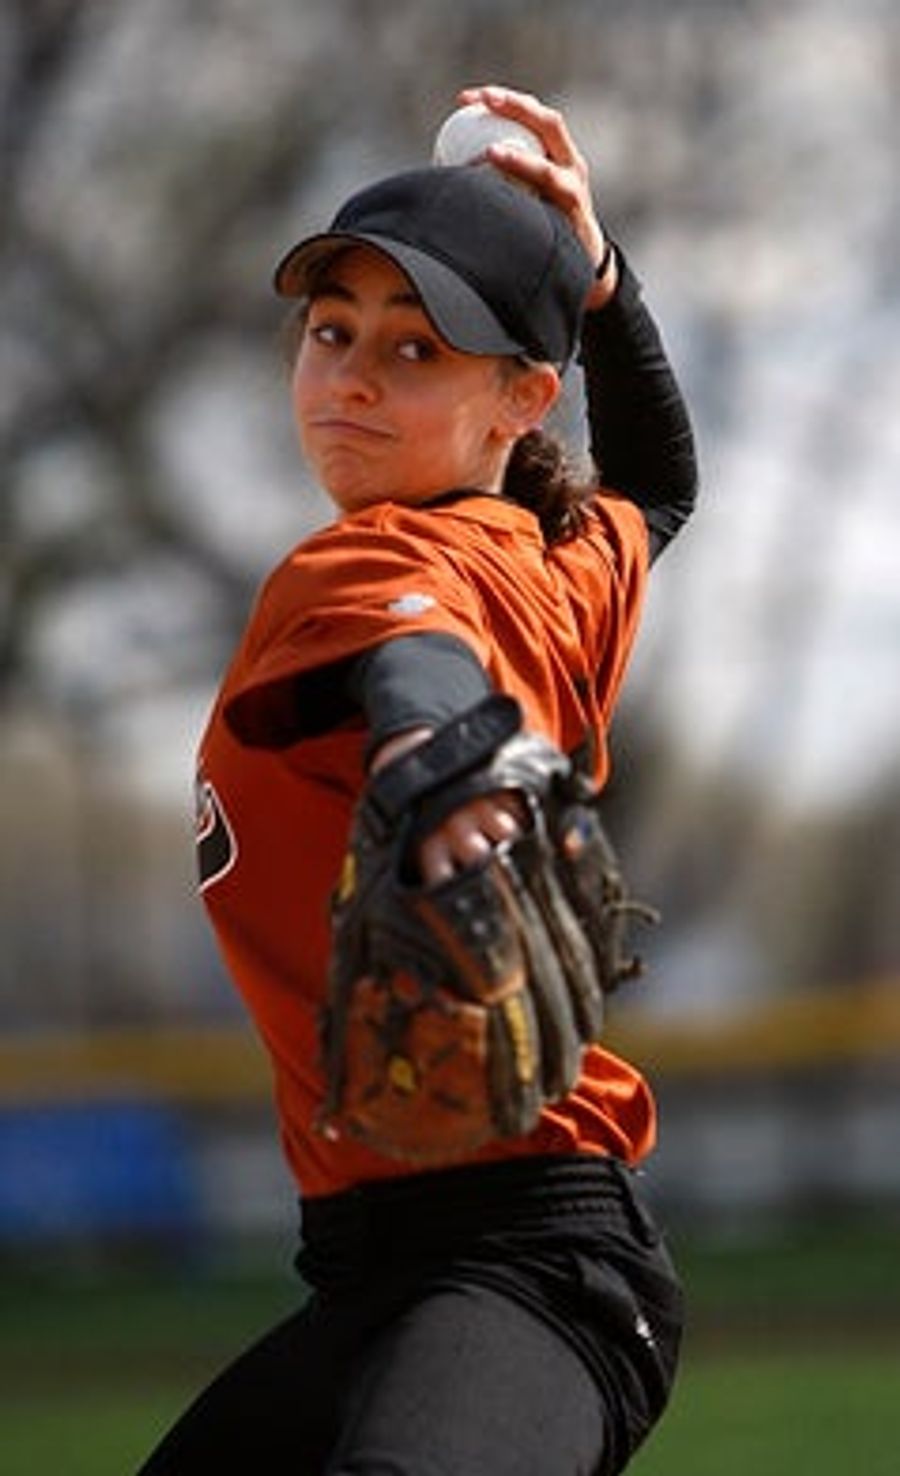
<point x="353" y="494"/>
<point x="353" y="497"/>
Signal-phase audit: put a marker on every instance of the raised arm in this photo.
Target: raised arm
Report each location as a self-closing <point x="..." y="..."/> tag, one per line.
<point x="640" y="432"/>
<point x="641" y="439"/>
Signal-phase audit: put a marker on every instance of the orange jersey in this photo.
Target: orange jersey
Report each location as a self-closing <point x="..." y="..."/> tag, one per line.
<point x="552" y="627"/>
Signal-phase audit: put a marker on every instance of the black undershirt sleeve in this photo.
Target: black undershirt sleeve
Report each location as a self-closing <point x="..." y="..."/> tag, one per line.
<point x="414" y="681"/>
<point x="408" y="682"/>
<point x="640" y="433"/>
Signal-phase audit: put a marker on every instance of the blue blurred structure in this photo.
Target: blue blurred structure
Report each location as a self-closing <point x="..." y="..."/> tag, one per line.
<point x="111" y="1169"/>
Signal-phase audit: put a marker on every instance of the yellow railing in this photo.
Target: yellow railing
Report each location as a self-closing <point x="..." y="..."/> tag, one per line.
<point x="223" y="1065"/>
<point x="831" y="1027"/>
<point x="214" y="1064"/>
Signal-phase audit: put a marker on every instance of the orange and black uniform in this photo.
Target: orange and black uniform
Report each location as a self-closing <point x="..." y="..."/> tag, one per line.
<point x="551" y="626"/>
<point x="392" y="616"/>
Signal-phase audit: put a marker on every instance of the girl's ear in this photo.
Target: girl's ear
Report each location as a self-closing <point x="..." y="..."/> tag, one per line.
<point x="532" y="390"/>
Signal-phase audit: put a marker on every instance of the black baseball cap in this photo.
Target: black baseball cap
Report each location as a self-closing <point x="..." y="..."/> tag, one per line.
<point x="499" y="270"/>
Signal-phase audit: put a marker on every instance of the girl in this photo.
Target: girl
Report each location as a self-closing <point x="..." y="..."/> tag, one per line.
<point x="515" y="1313"/>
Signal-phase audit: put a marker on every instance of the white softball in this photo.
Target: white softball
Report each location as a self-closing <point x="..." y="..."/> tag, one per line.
<point x="466" y="135"/>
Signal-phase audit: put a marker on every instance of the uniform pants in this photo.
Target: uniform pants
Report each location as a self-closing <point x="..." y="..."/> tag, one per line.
<point x="514" y="1319"/>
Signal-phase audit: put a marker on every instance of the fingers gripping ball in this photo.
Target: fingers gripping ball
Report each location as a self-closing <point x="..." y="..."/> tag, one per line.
<point x="466" y="135"/>
<point x="456" y="1011"/>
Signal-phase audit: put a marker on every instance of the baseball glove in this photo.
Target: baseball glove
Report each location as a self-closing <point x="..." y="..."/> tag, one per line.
<point x="457" y="1010"/>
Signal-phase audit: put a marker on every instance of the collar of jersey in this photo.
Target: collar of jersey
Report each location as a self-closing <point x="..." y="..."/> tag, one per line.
<point x="483" y="507"/>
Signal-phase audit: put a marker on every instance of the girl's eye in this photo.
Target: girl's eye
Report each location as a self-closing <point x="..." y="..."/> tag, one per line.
<point x="411" y="349"/>
<point x="328" y="334"/>
<point x="417" y="350"/>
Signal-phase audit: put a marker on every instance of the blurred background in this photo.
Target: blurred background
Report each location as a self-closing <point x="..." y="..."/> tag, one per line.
<point x="157" y="157"/>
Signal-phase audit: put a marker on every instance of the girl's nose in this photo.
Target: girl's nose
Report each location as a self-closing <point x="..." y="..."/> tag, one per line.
<point x="357" y="371"/>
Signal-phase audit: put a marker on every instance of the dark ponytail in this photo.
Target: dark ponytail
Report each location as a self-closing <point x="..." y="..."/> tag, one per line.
<point x="539" y="476"/>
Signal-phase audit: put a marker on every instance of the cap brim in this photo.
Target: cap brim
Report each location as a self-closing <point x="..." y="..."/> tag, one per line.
<point x="455" y="309"/>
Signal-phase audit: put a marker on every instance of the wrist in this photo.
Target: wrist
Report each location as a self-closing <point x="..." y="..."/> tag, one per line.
<point x="400" y="743"/>
<point x="605" y="279"/>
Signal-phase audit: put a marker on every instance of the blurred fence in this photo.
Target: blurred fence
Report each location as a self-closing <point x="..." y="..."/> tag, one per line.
<point x="163" y="1134"/>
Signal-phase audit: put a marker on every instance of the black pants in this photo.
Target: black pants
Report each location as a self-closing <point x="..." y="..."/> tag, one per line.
<point x="515" y="1319"/>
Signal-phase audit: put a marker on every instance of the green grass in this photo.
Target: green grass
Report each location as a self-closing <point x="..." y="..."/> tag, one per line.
<point x="781" y="1416"/>
<point x="83" y="1434"/>
<point x="740" y="1416"/>
<point x="810" y="1275"/>
<point x="792" y="1360"/>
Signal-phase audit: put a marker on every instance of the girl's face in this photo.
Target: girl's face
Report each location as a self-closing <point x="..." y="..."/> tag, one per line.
<point x="386" y="409"/>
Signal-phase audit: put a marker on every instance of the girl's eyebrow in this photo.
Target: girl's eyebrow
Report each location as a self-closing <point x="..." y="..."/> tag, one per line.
<point x="337" y="291"/>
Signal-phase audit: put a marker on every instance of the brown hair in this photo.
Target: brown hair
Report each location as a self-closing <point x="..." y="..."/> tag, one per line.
<point x="540" y="476"/>
<point x="290" y="334"/>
